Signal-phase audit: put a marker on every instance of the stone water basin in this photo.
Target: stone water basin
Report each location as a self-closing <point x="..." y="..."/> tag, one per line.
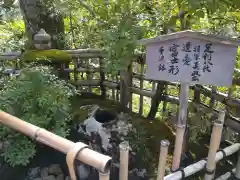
<point x="101" y="122"/>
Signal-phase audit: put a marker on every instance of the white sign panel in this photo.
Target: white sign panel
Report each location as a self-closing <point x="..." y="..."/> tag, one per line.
<point x="192" y="61"/>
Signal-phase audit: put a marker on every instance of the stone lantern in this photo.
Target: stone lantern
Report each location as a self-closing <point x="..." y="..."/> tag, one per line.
<point x="42" y="40"/>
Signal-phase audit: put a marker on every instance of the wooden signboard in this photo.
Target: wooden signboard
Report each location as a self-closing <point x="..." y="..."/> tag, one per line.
<point x="191" y="57"/>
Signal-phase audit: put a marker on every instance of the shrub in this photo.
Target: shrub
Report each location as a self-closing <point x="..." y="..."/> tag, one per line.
<point x="38" y="97"/>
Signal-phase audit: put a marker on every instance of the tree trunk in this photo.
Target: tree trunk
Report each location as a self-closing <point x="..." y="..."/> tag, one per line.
<point x="157" y="98"/>
<point x="39" y="14"/>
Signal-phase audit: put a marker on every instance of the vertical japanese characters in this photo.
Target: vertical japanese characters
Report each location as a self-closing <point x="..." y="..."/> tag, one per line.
<point x="194" y="56"/>
<point x="207" y="56"/>
<point x="196" y="64"/>
<point x="173" y="68"/>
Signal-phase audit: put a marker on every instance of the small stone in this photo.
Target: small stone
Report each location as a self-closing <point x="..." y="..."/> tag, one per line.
<point x="60" y="177"/>
<point x="49" y="178"/>
<point x="54" y="169"/>
<point x="67" y="178"/>
<point x="44" y="172"/>
<point x="34" y="172"/>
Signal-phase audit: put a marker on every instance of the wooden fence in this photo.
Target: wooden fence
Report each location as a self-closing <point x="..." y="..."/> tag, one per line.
<point x="86" y="72"/>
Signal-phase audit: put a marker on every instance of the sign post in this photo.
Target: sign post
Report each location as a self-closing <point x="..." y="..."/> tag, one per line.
<point x="190" y="58"/>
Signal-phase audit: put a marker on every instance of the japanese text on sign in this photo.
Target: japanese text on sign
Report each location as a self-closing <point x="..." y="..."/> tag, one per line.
<point x="192" y="61"/>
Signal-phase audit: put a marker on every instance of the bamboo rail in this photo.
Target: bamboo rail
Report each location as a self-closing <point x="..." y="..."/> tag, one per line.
<point x="198" y="166"/>
<point x="85" y="155"/>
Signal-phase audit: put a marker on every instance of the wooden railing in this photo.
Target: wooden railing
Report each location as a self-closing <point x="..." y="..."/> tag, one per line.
<point x="86" y="72"/>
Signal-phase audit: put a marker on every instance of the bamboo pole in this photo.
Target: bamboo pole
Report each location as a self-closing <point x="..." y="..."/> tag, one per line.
<point x="162" y="159"/>
<point x="182" y="118"/>
<point x="237" y="175"/>
<point x="178" y="147"/>
<point x="104" y="176"/>
<point x="226" y="175"/>
<point x="124" y="152"/>
<point x="198" y="166"/>
<point x="86" y="155"/>
<point x="214" y="145"/>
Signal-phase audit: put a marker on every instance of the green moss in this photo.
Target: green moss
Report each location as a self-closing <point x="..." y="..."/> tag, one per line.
<point x="52" y="55"/>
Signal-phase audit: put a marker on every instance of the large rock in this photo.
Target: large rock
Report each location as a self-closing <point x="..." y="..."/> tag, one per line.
<point x="51" y="177"/>
<point x="44" y="172"/>
<point x="54" y="169"/>
<point x="67" y="178"/>
<point x="60" y="177"/>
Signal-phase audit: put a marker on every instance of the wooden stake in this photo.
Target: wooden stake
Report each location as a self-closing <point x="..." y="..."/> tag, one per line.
<point x="124" y="152"/>
<point x="213" y="147"/>
<point x="178" y="147"/>
<point x="237" y="175"/>
<point x="162" y="159"/>
<point x="181" y="124"/>
<point x="104" y="176"/>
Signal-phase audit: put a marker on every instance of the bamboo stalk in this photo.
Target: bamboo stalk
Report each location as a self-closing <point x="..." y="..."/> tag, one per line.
<point x="214" y="145"/>
<point x="86" y="155"/>
<point x="226" y="175"/>
<point x="124" y="152"/>
<point x="178" y="147"/>
<point x="162" y="159"/>
<point x="237" y="175"/>
<point x="198" y="166"/>
<point x="104" y="176"/>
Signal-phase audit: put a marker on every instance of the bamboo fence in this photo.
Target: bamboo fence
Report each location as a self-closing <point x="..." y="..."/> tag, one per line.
<point x="87" y="74"/>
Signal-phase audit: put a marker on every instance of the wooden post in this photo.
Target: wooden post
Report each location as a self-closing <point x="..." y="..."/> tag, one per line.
<point x="141" y="88"/>
<point x="102" y="78"/>
<point x="124" y="89"/>
<point x="104" y="176"/>
<point x="212" y="100"/>
<point x="178" y="147"/>
<point x="237" y="174"/>
<point x="213" y="147"/>
<point x="130" y="85"/>
<point x="165" y="102"/>
<point x="226" y="131"/>
<point x="181" y="124"/>
<point x="75" y="73"/>
<point x="124" y="152"/>
<point x="156" y="99"/>
<point x="162" y="159"/>
<point x="89" y="75"/>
